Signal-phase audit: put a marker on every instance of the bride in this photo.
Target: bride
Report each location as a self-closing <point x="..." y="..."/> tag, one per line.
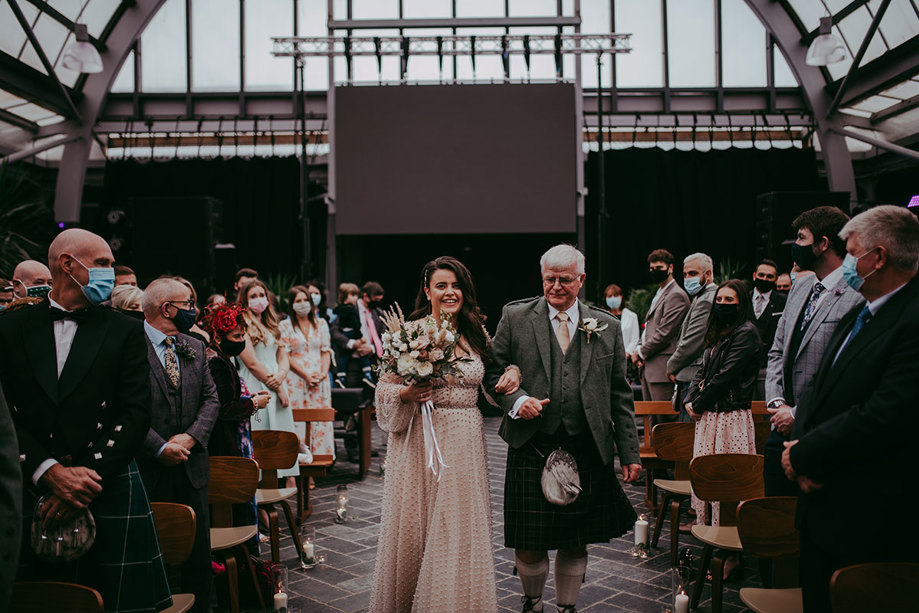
<point x="435" y="549"/>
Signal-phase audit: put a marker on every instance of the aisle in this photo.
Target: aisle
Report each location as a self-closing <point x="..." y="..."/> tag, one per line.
<point x="614" y="582"/>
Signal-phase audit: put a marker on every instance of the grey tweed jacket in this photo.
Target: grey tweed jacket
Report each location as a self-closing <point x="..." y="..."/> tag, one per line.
<point x="523" y="338"/>
<point x="840" y="301"/>
<point x="687" y="358"/>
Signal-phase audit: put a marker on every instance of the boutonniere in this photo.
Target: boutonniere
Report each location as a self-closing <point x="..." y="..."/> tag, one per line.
<point x="185" y="351"/>
<point x="590" y="325"/>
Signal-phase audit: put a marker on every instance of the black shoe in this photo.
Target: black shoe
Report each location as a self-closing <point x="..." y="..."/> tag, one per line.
<point x="565" y="608"/>
<point x="529" y="604"/>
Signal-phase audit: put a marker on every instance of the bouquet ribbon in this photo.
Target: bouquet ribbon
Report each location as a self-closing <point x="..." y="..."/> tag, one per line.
<point x="433" y="458"/>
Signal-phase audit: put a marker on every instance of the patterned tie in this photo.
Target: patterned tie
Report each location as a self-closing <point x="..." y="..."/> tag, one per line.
<point x="172" y="364"/>
<point x="760" y="305"/>
<point x="811" y="304"/>
<point x="864" y="316"/>
<point x="562" y="333"/>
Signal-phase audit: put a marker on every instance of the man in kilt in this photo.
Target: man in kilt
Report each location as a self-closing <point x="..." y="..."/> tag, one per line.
<point x="574" y="396"/>
<point x="75" y="376"/>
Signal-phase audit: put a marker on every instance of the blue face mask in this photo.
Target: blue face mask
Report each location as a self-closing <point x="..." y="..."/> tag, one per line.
<point x="793" y="276"/>
<point x="613" y="302"/>
<point x="184" y="319"/>
<point x="316" y="298"/>
<point x="692" y="285"/>
<point x="850" y="271"/>
<point x="100" y="284"/>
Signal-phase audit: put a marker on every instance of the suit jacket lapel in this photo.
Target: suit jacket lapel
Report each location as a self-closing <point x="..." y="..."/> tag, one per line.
<point x="822" y="312"/>
<point x="541" y="329"/>
<point x="157" y="369"/>
<point x="586" y="347"/>
<point x="86" y="343"/>
<point x="38" y="340"/>
<point x="185" y="372"/>
<point x="654" y="304"/>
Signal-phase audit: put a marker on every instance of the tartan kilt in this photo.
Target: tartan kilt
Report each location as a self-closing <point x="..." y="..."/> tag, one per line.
<point x="125" y="564"/>
<point x="602" y="511"/>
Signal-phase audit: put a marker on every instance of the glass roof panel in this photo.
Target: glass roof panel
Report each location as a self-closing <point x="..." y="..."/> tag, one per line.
<point x="534" y="8"/>
<point x="49" y="120"/>
<point x="163" y="58"/>
<point x="68" y="8"/>
<point x="215" y="46"/>
<point x="12" y="36"/>
<point x="542" y="66"/>
<point x="809" y="12"/>
<point x="417" y="9"/>
<point x="8" y="100"/>
<point x="32" y="112"/>
<point x="743" y="46"/>
<point x="487" y="67"/>
<point x="365" y="67"/>
<point x="124" y="82"/>
<point x="375" y="9"/>
<point x="311" y="18"/>
<point x="642" y="67"/>
<point x="483" y="8"/>
<point x="264" y="19"/>
<point x="428" y="67"/>
<point x="853" y="28"/>
<point x="97" y="14"/>
<point x="906" y="89"/>
<point x="691" y="43"/>
<point x="900" y="22"/>
<point x="595" y="19"/>
<point x="784" y="77"/>
<point x="874" y="104"/>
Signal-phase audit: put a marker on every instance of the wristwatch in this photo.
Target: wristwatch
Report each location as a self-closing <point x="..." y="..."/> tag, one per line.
<point x="775" y="403"/>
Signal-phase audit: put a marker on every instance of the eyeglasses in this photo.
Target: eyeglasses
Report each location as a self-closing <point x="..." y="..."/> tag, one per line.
<point x="188" y="304"/>
<point x="563" y="280"/>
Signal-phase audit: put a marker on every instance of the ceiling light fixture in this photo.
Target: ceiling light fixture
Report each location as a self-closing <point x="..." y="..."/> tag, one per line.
<point x="81" y="56"/>
<point x="827" y="48"/>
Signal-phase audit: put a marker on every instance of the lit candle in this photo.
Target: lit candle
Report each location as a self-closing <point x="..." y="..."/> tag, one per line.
<point x="681" y="603"/>
<point x="641" y="530"/>
<point x="280" y="601"/>
<point x="308" y="552"/>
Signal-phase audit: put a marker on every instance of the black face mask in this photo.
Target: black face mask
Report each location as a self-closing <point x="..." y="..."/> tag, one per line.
<point x="232" y="348"/>
<point x="725" y="313"/>
<point x="658" y="275"/>
<point x="764" y="286"/>
<point x="184" y="319"/>
<point x="803" y="256"/>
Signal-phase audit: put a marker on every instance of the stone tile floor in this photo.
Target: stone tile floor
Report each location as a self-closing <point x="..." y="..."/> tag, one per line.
<point x="615" y="581"/>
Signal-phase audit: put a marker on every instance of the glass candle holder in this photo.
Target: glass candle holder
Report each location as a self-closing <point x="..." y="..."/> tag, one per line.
<point x="307" y="539"/>
<point x="280" y="590"/>
<point x="341" y="504"/>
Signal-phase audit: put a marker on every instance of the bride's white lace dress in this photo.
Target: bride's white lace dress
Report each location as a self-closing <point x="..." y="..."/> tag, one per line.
<point x="435" y="549"/>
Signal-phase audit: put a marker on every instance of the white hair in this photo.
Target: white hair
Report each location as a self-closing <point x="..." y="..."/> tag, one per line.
<point x="158" y="292"/>
<point x="892" y="227"/>
<point x="704" y="260"/>
<point x="562" y="257"/>
<point x="126" y="295"/>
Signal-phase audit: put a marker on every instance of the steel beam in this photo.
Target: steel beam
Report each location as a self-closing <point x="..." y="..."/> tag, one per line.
<point x="859" y="55"/>
<point x="898" y="64"/>
<point x="451" y="22"/>
<point x="837" y="160"/>
<point x="880" y="144"/>
<point x="59" y="17"/>
<point x="72" y="171"/>
<point x="838" y="16"/>
<point x="897" y="109"/>
<point x="24" y="81"/>
<point x="45" y="146"/>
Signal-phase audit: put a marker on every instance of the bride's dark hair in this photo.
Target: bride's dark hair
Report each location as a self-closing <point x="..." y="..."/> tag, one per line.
<point x="470" y="322"/>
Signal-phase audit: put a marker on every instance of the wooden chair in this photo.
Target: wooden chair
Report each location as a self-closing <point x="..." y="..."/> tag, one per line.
<point x="275" y="450"/>
<point x="233" y="480"/>
<point x="649" y="460"/>
<point x="766" y="527"/>
<point x="673" y="443"/>
<point x="351" y="402"/>
<point x="320" y="464"/>
<point x="175" y="527"/>
<point x="725" y="478"/>
<point x="44" y="596"/>
<point x="875" y="587"/>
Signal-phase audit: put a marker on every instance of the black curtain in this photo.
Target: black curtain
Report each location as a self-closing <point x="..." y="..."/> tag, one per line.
<point x="685" y="201"/>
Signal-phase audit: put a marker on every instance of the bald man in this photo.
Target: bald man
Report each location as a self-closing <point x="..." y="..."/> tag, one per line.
<point x="79" y="393"/>
<point x="31" y="275"/>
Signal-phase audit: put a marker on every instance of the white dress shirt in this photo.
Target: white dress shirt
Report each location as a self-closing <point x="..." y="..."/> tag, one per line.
<point x="574" y="317"/>
<point x="760" y="301"/>
<point x="628" y="321"/>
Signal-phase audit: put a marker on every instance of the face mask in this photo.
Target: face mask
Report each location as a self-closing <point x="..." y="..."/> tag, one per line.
<point x="38" y="291"/>
<point x="613" y="302"/>
<point x="258" y="305"/>
<point x="803" y="256"/>
<point x="232" y="348"/>
<point x="850" y="271"/>
<point x="100" y="284"/>
<point x="793" y="276"/>
<point x="316" y="298"/>
<point x="692" y="285"/>
<point x="763" y="285"/>
<point x="303" y="309"/>
<point x="184" y="320"/>
<point x="659" y="274"/>
<point x="724" y="313"/>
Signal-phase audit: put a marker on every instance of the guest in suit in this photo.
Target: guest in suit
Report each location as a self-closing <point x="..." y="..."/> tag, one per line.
<point x="575" y="396"/>
<point x="76" y="377"/>
<point x="662" y="329"/>
<point x="31" y="279"/>
<point x="174" y="460"/>
<point x="10" y="504"/>
<point x="768" y="304"/>
<point x="815" y="305"/>
<point x="371" y="331"/>
<point x="783" y="283"/>
<point x="856" y="423"/>
<point x="686" y="360"/>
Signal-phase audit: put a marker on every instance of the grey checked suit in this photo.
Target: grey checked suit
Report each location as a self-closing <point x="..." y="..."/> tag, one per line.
<point x="662" y="332"/>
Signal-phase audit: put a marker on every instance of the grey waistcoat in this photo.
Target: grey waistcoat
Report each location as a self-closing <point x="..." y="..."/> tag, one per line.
<point x="565" y="396"/>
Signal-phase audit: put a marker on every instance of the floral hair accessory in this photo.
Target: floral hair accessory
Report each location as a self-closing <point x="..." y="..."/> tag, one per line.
<point x="223" y="318"/>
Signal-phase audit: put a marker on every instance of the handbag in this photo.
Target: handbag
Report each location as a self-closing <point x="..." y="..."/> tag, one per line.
<point x="561" y="484"/>
<point x="65" y="542"/>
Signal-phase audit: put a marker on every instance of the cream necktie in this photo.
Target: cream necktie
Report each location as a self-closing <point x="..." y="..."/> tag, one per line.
<point x="561" y="333"/>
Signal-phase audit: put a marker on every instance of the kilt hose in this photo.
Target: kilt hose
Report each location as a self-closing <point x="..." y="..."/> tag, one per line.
<point x="602" y="511"/>
<point x="125" y="564"/>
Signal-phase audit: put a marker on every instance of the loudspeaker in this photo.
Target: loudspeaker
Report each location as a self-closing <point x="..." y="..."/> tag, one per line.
<point x="176" y="236"/>
<point x="775" y="211"/>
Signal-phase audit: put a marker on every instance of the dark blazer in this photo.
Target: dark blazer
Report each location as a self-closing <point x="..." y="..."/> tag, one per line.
<point x="856" y="430"/>
<point x="10" y="504"/>
<point x="340" y="340"/>
<point x="234" y="408"/>
<point x="98" y="413"/>
<point x="194" y="414"/>
<point x="768" y="322"/>
<point x="727" y="379"/>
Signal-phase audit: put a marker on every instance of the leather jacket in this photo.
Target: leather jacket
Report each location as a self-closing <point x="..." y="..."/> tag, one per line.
<point x="727" y="379"/>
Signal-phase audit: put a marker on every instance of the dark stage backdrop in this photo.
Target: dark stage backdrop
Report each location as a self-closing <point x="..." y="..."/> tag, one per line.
<point x="686" y="201"/>
<point x="459" y="159"/>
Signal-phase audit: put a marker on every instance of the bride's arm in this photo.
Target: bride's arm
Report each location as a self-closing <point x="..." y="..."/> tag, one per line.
<point x="393" y="413"/>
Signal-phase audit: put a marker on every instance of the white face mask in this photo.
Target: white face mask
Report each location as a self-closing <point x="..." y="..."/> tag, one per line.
<point x="303" y="308"/>
<point x="258" y="305"/>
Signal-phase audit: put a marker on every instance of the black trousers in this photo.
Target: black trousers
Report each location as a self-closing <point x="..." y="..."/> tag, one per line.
<point x="195" y="574"/>
<point x="777" y="484"/>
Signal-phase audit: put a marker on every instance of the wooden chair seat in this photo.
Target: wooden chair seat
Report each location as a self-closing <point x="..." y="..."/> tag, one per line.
<point x="44" y="596"/>
<point x="773" y="601"/>
<point x="882" y="586"/>
<point x="269" y="496"/>
<point x="227" y="538"/>
<point x="723" y="537"/>
<point x="181" y="603"/>
<point x="680" y="487"/>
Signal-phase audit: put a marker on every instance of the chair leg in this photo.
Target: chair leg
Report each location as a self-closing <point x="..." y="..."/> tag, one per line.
<point x="253" y="574"/>
<point x="717" y="581"/>
<point x="232" y="581"/>
<point x="274" y="533"/>
<point x="299" y="481"/>
<point x="294" y="531"/>
<point x="304" y="506"/>
<point x="659" y="523"/>
<point x="674" y="530"/>
<point x="700" y="578"/>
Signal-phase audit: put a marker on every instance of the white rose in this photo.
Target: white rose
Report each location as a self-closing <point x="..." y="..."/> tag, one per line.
<point x="387" y="337"/>
<point x="425" y="369"/>
<point x="415" y="354"/>
<point x="403" y="347"/>
<point x="450" y="337"/>
<point x="436" y="354"/>
<point x="405" y="364"/>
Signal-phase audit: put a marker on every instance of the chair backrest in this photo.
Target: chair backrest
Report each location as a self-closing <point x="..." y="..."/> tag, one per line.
<point x="673" y="442"/>
<point x="875" y="587"/>
<point x="44" y="596"/>
<point x="274" y="450"/>
<point x="348" y="400"/>
<point x="175" y="527"/>
<point x="312" y="415"/>
<point x="233" y="480"/>
<point x="767" y="530"/>
<point x="645" y="409"/>
<point x="727" y="478"/>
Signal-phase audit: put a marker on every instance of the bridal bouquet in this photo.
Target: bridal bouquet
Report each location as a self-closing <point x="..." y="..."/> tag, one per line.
<point x="420" y="351"/>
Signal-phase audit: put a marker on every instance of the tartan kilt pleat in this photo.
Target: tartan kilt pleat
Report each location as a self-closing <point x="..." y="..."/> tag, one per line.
<point x="125" y="564"/>
<point x="601" y="512"/>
